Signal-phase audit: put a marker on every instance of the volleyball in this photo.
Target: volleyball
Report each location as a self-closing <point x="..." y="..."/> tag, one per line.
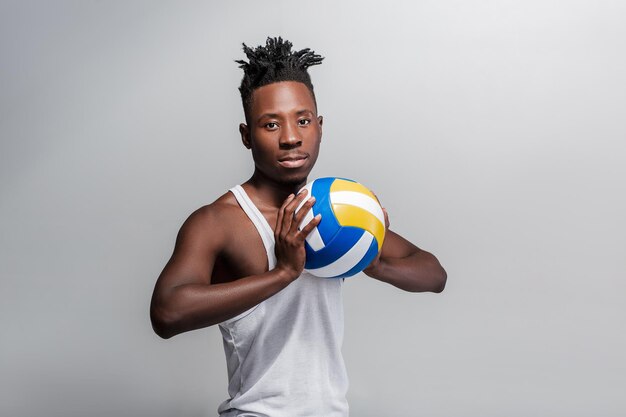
<point x="351" y="231"/>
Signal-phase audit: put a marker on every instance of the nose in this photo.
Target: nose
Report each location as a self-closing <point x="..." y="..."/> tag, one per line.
<point x="290" y="136"/>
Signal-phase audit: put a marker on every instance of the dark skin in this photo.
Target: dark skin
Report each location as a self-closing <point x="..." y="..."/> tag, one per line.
<point x="219" y="267"/>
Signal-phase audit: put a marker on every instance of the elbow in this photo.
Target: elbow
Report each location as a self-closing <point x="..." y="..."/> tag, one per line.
<point x="163" y="323"/>
<point x="440" y="283"/>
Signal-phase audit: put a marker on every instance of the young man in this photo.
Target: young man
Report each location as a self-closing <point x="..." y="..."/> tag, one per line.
<point x="238" y="262"/>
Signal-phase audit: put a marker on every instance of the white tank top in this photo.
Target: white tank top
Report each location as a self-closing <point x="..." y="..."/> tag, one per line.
<point x="284" y="355"/>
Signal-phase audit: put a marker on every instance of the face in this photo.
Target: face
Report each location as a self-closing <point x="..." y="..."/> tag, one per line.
<point x="283" y="132"/>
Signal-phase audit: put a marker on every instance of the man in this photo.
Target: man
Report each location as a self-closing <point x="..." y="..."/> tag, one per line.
<point x="238" y="262"/>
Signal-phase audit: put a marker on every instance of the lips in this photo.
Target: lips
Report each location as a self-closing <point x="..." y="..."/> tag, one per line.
<point x="295" y="160"/>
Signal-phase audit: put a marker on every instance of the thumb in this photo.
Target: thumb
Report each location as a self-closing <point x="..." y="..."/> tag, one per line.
<point x="386" y="218"/>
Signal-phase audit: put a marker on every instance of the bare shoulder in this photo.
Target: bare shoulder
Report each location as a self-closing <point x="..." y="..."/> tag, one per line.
<point x="201" y="242"/>
<point x="213" y="220"/>
<point x="222" y="241"/>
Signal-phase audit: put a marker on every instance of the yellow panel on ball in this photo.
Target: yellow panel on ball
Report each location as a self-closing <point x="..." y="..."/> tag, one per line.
<point x="343" y="185"/>
<point x="350" y="215"/>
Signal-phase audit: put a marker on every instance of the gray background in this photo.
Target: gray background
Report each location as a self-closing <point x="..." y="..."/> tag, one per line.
<point x="493" y="132"/>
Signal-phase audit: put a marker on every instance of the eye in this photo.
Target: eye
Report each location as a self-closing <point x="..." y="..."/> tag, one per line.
<point x="271" y="125"/>
<point x="304" y="122"/>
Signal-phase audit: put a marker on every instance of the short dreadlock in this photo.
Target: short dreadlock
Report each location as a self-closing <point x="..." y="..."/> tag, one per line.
<point x="273" y="63"/>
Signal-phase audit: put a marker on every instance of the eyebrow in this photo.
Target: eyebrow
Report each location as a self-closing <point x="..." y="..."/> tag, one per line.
<point x="270" y="115"/>
<point x="276" y="115"/>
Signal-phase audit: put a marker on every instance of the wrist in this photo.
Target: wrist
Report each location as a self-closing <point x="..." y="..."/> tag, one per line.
<point x="287" y="275"/>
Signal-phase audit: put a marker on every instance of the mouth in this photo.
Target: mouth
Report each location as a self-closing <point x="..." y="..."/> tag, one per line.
<point x="293" y="161"/>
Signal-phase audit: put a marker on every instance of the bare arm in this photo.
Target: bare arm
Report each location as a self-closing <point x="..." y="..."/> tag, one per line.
<point x="184" y="298"/>
<point x="404" y="265"/>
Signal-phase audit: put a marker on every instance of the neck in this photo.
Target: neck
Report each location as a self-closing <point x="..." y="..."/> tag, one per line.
<point x="269" y="192"/>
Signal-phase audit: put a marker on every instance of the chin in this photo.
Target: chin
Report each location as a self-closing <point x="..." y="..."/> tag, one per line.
<point x="294" y="179"/>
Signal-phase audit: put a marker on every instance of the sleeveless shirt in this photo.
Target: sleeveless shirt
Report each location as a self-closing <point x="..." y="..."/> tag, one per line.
<point x="284" y="356"/>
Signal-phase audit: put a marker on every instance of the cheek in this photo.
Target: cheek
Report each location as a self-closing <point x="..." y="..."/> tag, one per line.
<point x="314" y="134"/>
<point x="262" y="149"/>
<point x="316" y="138"/>
<point x="262" y="140"/>
<point x="261" y="152"/>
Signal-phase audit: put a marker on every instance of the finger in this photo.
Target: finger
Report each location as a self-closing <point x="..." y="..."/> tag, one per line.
<point x="293" y="205"/>
<point x="301" y="196"/>
<point x="387" y="223"/>
<point x="378" y="199"/>
<point x="281" y="211"/>
<point x="302" y="212"/>
<point x="287" y="219"/>
<point x="310" y="226"/>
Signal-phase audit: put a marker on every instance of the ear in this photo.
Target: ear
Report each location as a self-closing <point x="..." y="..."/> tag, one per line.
<point x="245" y="135"/>
<point x="320" y="121"/>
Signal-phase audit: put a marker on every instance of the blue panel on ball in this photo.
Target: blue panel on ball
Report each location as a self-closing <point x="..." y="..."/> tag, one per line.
<point x="337" y="247"/>
<point x="367" y="259"/>
<point x="329" y="226"/>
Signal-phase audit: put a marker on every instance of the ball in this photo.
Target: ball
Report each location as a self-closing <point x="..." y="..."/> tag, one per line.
<point x="351" y="232"/>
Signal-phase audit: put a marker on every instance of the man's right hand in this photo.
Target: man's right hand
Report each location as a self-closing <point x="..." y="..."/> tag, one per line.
<point x="185" y="298"/>
<point x="289" y="240"/>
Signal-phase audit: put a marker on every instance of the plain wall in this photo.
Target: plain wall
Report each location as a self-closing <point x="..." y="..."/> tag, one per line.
<point x="493" y="132"/>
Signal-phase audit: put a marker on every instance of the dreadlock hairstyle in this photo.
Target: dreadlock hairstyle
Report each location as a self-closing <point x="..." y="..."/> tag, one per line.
<point x="272" y="63"/>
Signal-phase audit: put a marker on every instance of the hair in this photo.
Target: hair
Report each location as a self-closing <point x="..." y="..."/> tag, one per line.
<point x="273" y="63"/>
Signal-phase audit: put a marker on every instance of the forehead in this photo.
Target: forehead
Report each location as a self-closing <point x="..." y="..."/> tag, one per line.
<point x="282" y="97"/>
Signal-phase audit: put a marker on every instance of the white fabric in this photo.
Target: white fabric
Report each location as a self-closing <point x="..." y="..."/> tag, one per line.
<point x="284" y="355"/>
